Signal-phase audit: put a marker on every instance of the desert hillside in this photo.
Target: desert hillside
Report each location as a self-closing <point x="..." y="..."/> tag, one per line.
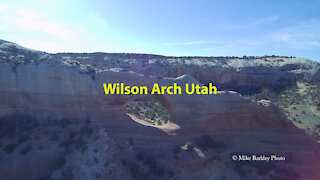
<point x="57" y="123"/>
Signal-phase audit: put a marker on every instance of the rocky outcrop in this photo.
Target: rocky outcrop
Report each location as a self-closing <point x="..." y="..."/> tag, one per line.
<point x="70" y="85"/>
<point x="245" y="75"/>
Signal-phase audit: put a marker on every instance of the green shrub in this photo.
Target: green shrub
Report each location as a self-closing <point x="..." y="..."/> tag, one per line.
<point x="23" y="138"/>
<point x="170" y="174"/>
<point x="149" y="110"/>
<point x="206" y="142"/>
<point x="64" y="122"/>
<point x="123" y="162"/>
<point x="60" y="162"/>
<point x="67" y="174"/>
<point x="131" y="141"/>
<point x="79" y="143"/>
<point x="96" y="160"/>
<point x="238" y="168"/>
<point x="176" y="150"/>
<point x="140" y="156"/>
<point x="215" y="158"/>
<point x="106" y="164"/>
<point x="17" y="124"/>
<point x="9" y="148"/>
<point x="86" y="130"/>
<point x="134" y="169"/>
<point x="26" y="149"/>
<point x="55" y="136"/>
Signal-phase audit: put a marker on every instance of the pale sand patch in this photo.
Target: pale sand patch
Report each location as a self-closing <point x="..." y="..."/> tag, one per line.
<point x="167" y="128"/>
<point x="200" y="153"/>
<point x="314" y="110"/>
<point x="302" y="88"/>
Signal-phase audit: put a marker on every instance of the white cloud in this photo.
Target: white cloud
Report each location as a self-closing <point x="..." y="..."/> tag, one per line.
<point x="294" y="40"/>
<point x="302" y="36"/>
<point x="264" y="20"/>
<point x="40" y="31"/>
<point x="257" y="22"/>
<point x="47" y="46"/>
<point x="2" y="8"/>
<point x="30" y="20"/>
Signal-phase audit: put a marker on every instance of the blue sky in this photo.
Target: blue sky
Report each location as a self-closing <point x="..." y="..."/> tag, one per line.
<point x="166" y="27"/>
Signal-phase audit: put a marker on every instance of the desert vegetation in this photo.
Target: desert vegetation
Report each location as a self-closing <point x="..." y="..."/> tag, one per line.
<point x="148" y="110"/>
<point x="245" y="169"/>
<point x="300" y="103"/>
<point x="147" y="167"/>
<point x="206" y="142"/>
<point x="22" y="135"/>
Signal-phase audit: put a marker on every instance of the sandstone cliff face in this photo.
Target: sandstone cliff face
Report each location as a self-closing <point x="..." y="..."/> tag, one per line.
<point x="70" y="85"/>
<point x="245" y="75"/>
<point x="248" y="74"/>
<point x="46" y="88"/>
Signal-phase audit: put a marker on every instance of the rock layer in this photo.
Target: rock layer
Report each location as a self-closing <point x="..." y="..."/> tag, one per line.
<point x="62" y="88"/>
